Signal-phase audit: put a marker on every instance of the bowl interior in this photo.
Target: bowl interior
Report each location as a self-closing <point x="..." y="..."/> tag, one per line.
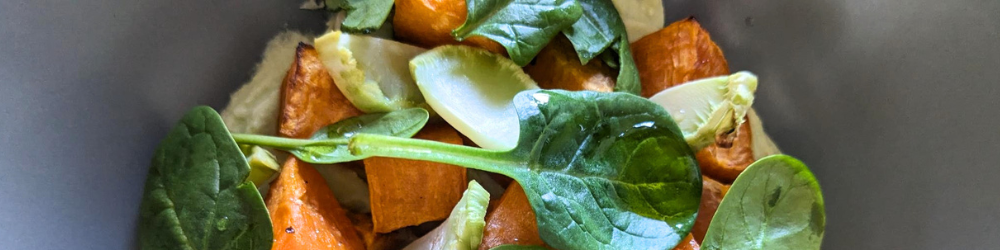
<point x="891" y="103"/>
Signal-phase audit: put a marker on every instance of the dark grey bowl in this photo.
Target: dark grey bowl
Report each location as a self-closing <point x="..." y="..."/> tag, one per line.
<point x="892" y="103"/>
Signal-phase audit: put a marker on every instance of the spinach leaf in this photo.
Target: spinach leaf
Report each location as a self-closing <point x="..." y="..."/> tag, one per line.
<point x="197" y="196"/>
<point x="628" y="74"/>
<point x="775" y="203"/>
<point x="601" y="27"/>
<point x="601" y="170"/>
<point x="523" y="27"/>
<point x="329" y="144"/>
<point x="365" y="16"/>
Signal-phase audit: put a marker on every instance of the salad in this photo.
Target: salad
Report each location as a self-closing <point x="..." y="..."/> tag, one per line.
<point x="483" y="124"/>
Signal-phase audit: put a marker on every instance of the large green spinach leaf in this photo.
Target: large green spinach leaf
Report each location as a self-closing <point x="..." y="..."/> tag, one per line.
<point x="523" y="27"/>
<point x="329" y="144"/>
<point x="601" y="170"/>
<point x="775" y="203"/>
<point x="196" y="194"/>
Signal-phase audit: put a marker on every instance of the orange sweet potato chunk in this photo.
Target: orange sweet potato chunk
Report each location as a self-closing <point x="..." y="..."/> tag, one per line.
<point x="428" y="24"/>
<point x="512" y="221"/>
<point x="558" y="67"/>
<point x="684" y="52"/>
<point x="726" y="163"/>
<point x="309" y="98"/>
<point x="688" y="243"/>
<point x="304" y="213"/>
<point x="712" y="192"/>
<point x="410" y="192"/>
<point x="679" y="53"/>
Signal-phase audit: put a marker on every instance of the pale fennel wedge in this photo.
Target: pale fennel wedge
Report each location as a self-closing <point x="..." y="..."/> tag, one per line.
<point x="463" y="230"/>
<point x="709" y="108"/>
<point x="371" y="72"/>
<point x="473" y="90"/>
<point x="636" y="15"/>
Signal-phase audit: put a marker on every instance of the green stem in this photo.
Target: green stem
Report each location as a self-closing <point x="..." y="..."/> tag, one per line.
<point x="283" y="143"/>
<point x="425" y="150"/>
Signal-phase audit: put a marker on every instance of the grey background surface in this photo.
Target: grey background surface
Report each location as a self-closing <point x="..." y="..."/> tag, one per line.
<point x="892" y="103"/>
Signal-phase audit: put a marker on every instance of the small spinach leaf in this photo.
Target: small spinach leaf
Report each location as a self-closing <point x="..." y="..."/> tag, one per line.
<point x="329" y="144"/>
<point x="197" y="196"/>
<point x="596" y="29"/>
<point x="628" y="74"/>
<point x="365" y="16"/>
<point x="775" y="203"/>
<point x="601" y="27"/>
<point x="523" y="27"/>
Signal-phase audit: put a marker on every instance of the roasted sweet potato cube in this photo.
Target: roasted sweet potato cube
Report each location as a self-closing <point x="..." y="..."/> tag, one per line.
<point x="428" y="24"/>
<point x="688" y="243"/>
<point x="679" y="53"/>
<point x="726" y="163"/>
<point x="309" y="98"/>
<point x="304" y="213"/>
<point x="410" y="192"/>
<point x="712" y="192"/>
<point x="512" y="221"/>
<point x="558" y="67"/>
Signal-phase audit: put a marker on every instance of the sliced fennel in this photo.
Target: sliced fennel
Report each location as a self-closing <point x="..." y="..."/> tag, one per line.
<point x="641" y="17"/>
<point x="710" y="107"/>
<point x="473" y="90"/>
<point x="371" y="72"/>
<point x="463" y="230"/>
